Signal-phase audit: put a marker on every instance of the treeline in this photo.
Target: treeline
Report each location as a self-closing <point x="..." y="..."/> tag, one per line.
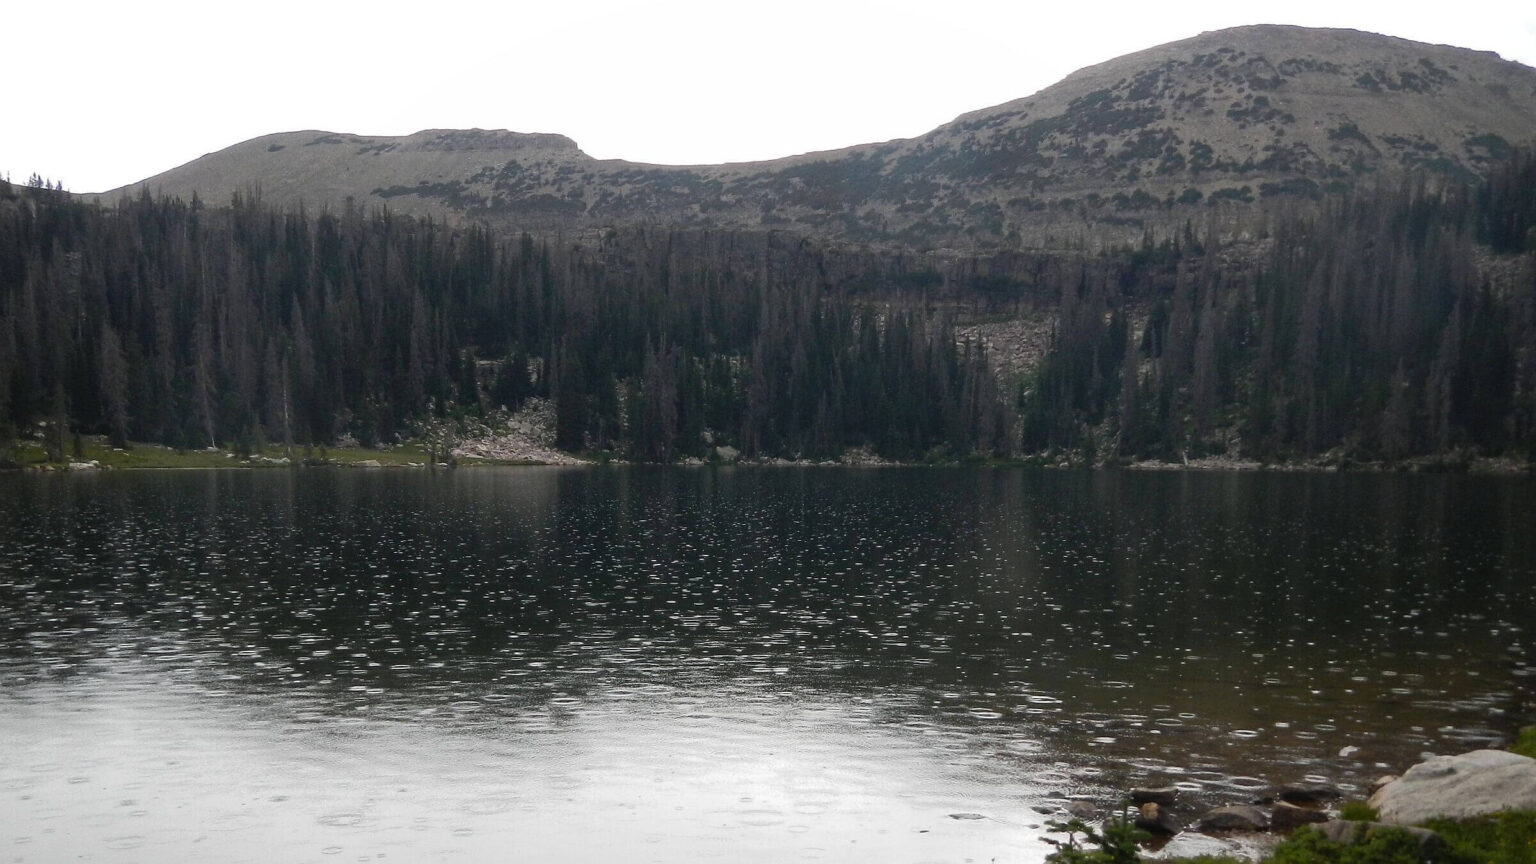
<point x="1386" y="325"/>
<point x="1379" y="325"/>
<point x="193" y="326"/>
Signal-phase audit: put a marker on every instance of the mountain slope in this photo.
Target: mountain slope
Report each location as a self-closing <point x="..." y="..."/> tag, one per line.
<point x="1225" y="119"/>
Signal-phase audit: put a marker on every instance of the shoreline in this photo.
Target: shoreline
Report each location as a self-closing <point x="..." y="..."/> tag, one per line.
<point x="164" y="459"/>
<point x="93" y="453"/>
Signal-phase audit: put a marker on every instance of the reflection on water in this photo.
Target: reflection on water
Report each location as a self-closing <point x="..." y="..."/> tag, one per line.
<point x="681" y="665"/>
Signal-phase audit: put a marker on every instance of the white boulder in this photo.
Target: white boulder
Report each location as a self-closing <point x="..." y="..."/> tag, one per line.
<point x="1459" y="787"/>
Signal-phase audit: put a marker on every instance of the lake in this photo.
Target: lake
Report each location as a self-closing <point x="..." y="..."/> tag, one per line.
<point x="759" y="665"/>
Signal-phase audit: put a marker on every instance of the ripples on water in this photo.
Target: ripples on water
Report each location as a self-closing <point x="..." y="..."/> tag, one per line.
<point x="675" y="665"/>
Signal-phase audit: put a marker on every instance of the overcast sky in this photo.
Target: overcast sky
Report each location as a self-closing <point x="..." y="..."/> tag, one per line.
<point x="102" y="94"/>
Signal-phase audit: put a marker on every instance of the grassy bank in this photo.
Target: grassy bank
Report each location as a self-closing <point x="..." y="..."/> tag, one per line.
<point x="1505" y="838"/>
<point x="99" y="453"/>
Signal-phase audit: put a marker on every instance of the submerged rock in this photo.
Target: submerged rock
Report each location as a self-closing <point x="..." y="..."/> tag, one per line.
<point x="1308" y="793"/>
<point x="1286" y="816"/>
<point x="1084" y="810"/>
<point x="1164" y="795"/>
<point x="1242" y="817"/>
<point x="1459" y="787"/>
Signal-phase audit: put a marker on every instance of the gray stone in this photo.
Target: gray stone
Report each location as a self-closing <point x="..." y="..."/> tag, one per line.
<point x="1308" y="793"/>
<point x="1246" y="847"/>
<point x="1164" y="795"/>
<point x="1242" y="817"/>
<point x="727" y="454"/>
<point x="1083" y="810"/>
<point x="1340" y="831"/>
<point x="1286" y="816"/>
<point x="1380" y="782"/>
<point x="1459" y="787"/>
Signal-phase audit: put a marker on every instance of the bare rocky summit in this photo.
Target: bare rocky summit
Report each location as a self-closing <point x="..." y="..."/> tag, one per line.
<point x="1230" y="121"/>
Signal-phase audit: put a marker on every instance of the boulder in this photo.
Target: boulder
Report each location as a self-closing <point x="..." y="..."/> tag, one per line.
<point x="1154" y="818"/>
<point x="1459" y="787"/>
<point x="1308" y="793"/>
<point x="1242" y="817"/>
<point x="1286" y="816"/>
<point x="1380" y="782"/>
<point x="1084" y="810"/>
<point x="1341" y="831"/>
<point x="1164" y="795"/>
<point x="1245" y="847"/>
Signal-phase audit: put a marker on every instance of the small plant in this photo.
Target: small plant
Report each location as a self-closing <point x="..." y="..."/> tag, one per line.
<point x="1504" y="838"/>
<point x="1117" y="842"/>
<point x="1357" y="811"/>
<point x="1387" y="846"/>
<point x="1525" y="742"/>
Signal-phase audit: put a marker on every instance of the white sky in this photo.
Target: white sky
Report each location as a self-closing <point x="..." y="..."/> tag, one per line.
<point x="101" y="94"/>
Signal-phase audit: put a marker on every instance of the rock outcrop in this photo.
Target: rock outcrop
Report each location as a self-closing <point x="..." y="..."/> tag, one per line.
<point x="1459" y="787"/>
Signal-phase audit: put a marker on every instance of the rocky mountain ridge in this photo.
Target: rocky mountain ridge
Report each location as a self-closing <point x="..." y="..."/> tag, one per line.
<point x="1228" y="122"/>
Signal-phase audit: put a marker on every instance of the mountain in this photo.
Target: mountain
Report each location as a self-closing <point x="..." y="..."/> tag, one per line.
<point x="1232" y="117"/>
<point x="965" y="294"/>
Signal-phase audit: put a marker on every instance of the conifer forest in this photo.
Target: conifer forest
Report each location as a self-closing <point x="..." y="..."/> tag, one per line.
<point x="1377" y="325"/>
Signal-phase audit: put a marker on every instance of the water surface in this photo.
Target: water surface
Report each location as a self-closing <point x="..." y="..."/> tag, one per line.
<point x="573" y="665"/>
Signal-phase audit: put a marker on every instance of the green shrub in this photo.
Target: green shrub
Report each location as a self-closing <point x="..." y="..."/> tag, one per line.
<point x="1525" y="742"/>
<point x="1385" y="846"/>
<point x="1507" y="838"/>
<point x="1357" y="811"/>
<point x="1118" y="842"/>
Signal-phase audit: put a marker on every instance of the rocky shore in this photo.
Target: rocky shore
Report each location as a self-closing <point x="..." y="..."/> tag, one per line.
<point x="1465" y="786"/>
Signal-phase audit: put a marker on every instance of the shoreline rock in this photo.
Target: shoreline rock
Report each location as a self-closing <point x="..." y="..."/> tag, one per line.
<point x="1459" y="787"/>
<point x="1286" y="816"/>
<point x="1465" y="786"/>
<point x="1165" y="796"/>
<point x="1346" y="832"/>
<point x="1237" y="817"/>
